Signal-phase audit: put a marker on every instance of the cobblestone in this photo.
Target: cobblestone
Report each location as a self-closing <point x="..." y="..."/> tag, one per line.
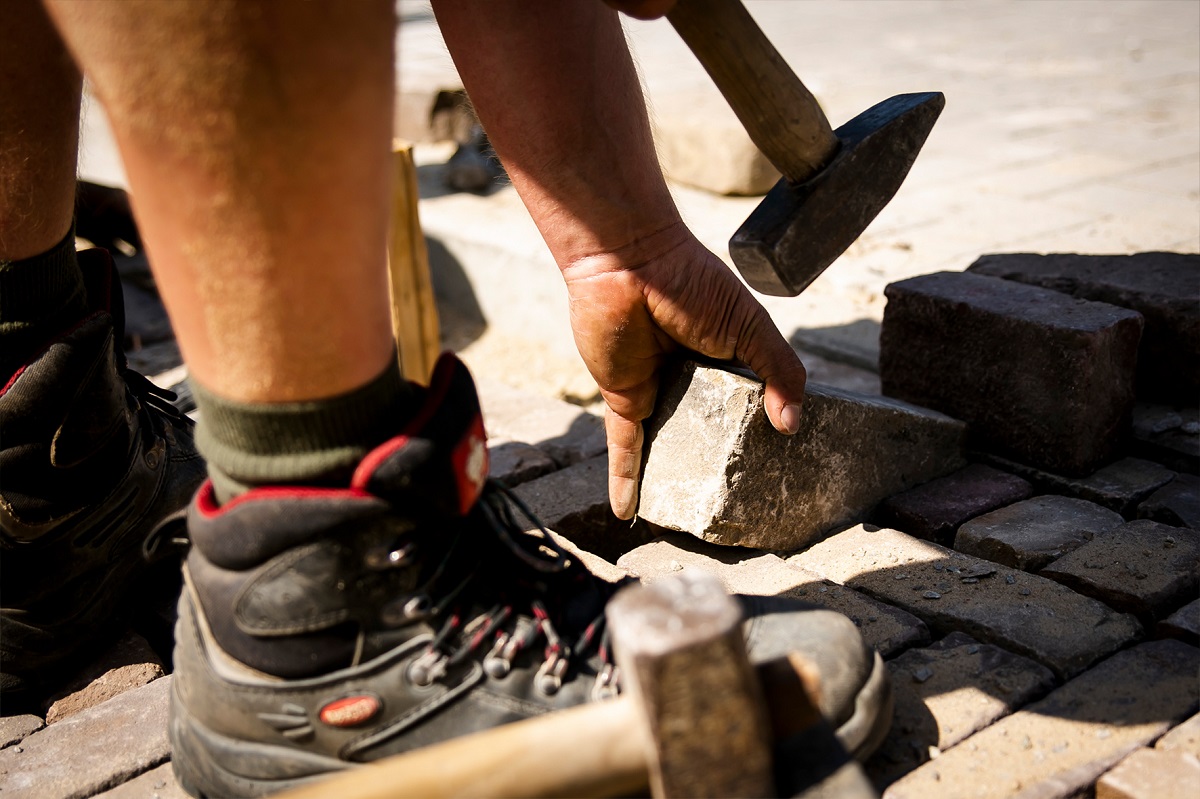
<point x="14" y="728"/>
<point x="1177" y="503"/>
<point x="565" y="432"/>
<point x="1183" y="624"/>
<point x="935" y="510"/>
<point x="514" y="462"/>
<point x="1184" y="738"/>
<point x="157" y="783"/>
<point x="128" y="664"/>
<point x="1151" y="774"/>
<point x="1030" y="534"/>
<point x="1119" y="486"/>
<point x="1168" y="435"/>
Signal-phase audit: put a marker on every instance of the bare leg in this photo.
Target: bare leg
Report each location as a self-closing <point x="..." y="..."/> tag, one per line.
<point x="256" y="136"/>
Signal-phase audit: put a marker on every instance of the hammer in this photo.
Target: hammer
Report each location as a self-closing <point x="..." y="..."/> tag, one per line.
<point x="834" y="182"/>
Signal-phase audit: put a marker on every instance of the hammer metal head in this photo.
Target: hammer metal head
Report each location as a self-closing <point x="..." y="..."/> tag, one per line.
<point x="801" y="228"/>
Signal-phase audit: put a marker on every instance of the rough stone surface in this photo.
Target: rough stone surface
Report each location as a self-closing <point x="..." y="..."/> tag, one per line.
<point x="709" y="151"/>
<point x="1168" y="435"/>
<point x="514" y="462"/>
<point x="91" y="751"/>
<point x="565" y="432"/>
<point x="717" y="469"/>
<point x="1184" y="738"/>
<point x="1032" y="533"/>
<point x="1164" y="287"/>
<point x="129" y="663"/>
<point x="1177" y="503"/>
<point x="946" y="692"/>
<point x="1183" y="624"/>
<point x="14" y="728"/>
<point x="1151" y="774"/>
<point x="935" y="510"/>
<point x="1037" y="375"/>
<point x="1063" y="743"/>
<point x="1119" y="486"/>
<point x="157" y="783"/>
<point x="950" y="591"/>
<point x="743" y="571"/>
<point x="1142" y="567"/>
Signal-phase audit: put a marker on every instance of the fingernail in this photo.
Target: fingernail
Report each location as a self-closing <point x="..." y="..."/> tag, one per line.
<point x="790" y="416"/>
<point x="624" y="497"/>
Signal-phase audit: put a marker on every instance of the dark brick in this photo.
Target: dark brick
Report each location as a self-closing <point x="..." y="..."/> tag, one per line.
<point x="1177" y="503"/>
<point x="1163" y="287"/>
<point x="1119" y="486"/>
<point x="935" y="510"/>
<point x="1034" y="532"/>
<point x="1038" y="376"/>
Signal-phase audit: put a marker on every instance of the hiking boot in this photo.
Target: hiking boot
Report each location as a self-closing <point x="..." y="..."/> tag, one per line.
<point x="93" y="459"/>
<point x="321" y="628"/>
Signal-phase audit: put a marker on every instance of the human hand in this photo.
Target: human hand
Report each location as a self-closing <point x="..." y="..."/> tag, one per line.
<point x="631" y="309"/>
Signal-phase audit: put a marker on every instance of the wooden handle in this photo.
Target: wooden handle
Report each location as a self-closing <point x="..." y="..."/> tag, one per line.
<point x="414" y="309"/>
<point x="780" y="114"/>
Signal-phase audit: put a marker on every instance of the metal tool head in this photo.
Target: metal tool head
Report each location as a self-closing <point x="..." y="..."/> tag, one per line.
<point x="801" y="228"/>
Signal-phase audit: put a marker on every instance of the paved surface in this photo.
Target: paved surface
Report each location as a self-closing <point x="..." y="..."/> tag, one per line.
<point x="1070" y="126"/>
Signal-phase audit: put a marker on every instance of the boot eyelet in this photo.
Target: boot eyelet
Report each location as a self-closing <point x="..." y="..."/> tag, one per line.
<point x="427" y="669"/>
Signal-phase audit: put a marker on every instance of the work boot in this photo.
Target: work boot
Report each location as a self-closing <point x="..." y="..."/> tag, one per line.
<point x="321" y="628"/>
<point x="93" y="461"/>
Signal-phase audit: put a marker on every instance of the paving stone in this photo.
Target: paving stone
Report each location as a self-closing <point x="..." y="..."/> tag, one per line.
<point x="1183" y="624"/>
<point x="1032" y="533"/>
<point x="128" y="664"/>
<point x="717" y="469"/>
<point x="1151" y="774"/>
<point x="574" y="503"/>
<point x="1176" y="503"/>
<point x="157" y="783"/>
<point x="1142" y="567"/>
<point x="1060" y="745"/>
<point x="935" y="510"/>
<point x="950" y="591"/>
<point x="1184" y="738"/>
<point x="1169" y="435"/>
<point x="91" y="751"/>
<point x="708" y="148"/>
<point x="1119" y="486"/>
<point x="1164" y="287"/>
<point x="514" y="462"/>
<point x="1037" y="375"/>
<point x="14" y="728"/>
<point x="946" y="692"/>
<point x="565" y="432"/>
<point x="744" y="571"/>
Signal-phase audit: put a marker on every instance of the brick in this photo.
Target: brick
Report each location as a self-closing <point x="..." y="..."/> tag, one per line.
<point x="1177" y="503"/>
<point x="948" y="691"/>
<point x="1151" y="774"/>
<point x="565" y="432"/>
<point x="93" y="750"/>
<point x="574" y="503"/>
<point x="1183" y="624"/>
<point x="717" y="469"/>
<point x="886" y="629"/>
<point x="514" y="462"/>
<point x="128" y="664"/>
<point x="1163" y="287"/>
<point x="1168" y="435"/>
<point x="950" y="591"/>
<point x="1184" y="738"/>
<point x="1060" y="745"/>
<point x="1030" y="534"/>
<point x="1142" y="567"/>
<point x="1037" y="375"/>
<point x="14" y="728"/>
<point x="157" y="783"/>
<point x="935" y="510"/>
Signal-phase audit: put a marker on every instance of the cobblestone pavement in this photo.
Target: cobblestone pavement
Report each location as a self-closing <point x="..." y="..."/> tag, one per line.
<point x="1030" y="656"/>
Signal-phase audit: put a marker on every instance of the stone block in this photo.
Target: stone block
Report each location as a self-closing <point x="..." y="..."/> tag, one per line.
<point x="1184" y="738"/>
<point x="157" y="783"/>
<point x="565" y="432"/>
<point x="1142" y="567"/>
<point x="128" y="664"/>
<point x="743" y="571"/>
<point x="1164" y="287"/>
<point x="14" y="728"/>
<point x="1177" y="503"/>
<point x="1032" y="533"/>
<point x="1183" y="624"/>
<point x="1151" y="774"/>
<point x="93" y="750"/>
<point x="514" y="462"/>
<point x="1119" y="486"/>
<point x="717" y="469"/>
<point x="935" y="510"/>
<point x="705" y="146"/>
<point x="950" y="591"/>
<point x="1168" y="435"/>
<point x="1060" y="745"/>
<point x="946" y="692"/>
<point x="1037" y="375"/>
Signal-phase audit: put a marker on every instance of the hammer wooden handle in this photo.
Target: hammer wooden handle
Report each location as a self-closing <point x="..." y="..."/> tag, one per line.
<point x="780" y="114"/>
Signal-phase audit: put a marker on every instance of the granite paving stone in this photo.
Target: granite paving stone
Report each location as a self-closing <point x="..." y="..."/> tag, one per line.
<point x="1037" y="375"/>
<point x="93" y="750"/>
<point x="514" y="462"/>
<point x="1151" y="774"/>
<point x="1119" y="486"/>
<point x="715" y="468"/>
<point x="157" y="783"/>
<point x="1176" y="503"/>
<point x="565" y="432"/>
<point x="887" y="629"/>
<point x="1167" y="434"/>
<point x="935" y="510"/>
<point x="1183" y="624"/>
<point x="1034" y="532"/>
<point x="14" y="728"/>
<point x="1060" y="745"/>
<point x="947" y="691"/>
<point x="950" y="591"/>
<point x="1185" y="738"/>
<point x="127" y="664"/>
<point x="1142" y="567"/>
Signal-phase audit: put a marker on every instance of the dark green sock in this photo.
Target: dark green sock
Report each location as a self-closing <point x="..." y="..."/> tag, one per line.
<point x="298" y="443"/>
<point x="39" y="298"/>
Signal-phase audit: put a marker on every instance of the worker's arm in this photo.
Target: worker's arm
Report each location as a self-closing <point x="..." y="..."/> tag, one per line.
<point x="556" y="90"/>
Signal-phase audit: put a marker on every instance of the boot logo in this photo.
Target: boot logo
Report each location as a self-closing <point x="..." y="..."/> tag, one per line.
<point x="350" y="711"/>
<point x="470" y="460"/>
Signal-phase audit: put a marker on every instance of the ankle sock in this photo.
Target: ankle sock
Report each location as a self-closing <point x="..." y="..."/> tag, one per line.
<point x="39" y="298"/>
<point x="318" y="442"/>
